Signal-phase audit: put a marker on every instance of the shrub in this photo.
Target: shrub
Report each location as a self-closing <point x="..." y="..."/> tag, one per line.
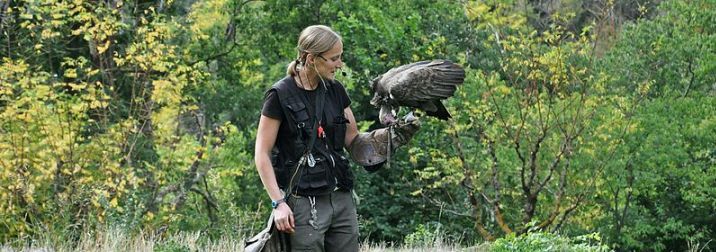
<point x="540" y="241"/>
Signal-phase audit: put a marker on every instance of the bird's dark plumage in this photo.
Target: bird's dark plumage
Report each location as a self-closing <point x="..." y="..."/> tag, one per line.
<point x="419" y="85"/>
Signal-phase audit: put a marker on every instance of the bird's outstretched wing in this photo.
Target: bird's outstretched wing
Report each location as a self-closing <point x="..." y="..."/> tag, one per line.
<point x="421" y="85"/>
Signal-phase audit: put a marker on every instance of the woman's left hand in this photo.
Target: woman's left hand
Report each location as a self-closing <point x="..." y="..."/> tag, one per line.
<point x="283" y="216"/>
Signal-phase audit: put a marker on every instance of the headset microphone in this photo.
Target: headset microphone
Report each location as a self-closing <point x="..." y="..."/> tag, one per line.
<point x="344" y="74"/>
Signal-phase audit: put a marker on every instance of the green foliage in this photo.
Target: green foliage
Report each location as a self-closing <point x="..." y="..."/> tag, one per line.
<point x="142" y="116"/>
<point x="424" y="236"/>
<point x="662" y="189"/>
<point x="548" y="242"/>
<point x="662" y="170"/>
<point x="673" y="53"/>
<point x="102" y="130"/>
<point x="171" y="246"/>
<point x="526" y="121"/>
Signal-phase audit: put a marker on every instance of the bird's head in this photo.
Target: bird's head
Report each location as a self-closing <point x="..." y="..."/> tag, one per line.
<point x="374" y="83"/>
<point x="377" y="97"/>
<point x="377" y="100"/>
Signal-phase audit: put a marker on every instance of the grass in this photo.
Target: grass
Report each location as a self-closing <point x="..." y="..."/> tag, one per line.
<point x="116" y="240"/>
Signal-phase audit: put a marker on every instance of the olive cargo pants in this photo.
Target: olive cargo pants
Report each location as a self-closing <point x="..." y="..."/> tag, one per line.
<point x="333" y="227"/>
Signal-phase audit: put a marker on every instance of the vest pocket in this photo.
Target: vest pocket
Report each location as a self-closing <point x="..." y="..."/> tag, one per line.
<point x="298" y="111"/>
<point x="316" y="177"/>
<point x="345" y="176"/>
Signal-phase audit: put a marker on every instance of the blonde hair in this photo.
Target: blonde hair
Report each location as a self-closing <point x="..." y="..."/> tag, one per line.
<point x="315" y="39"/>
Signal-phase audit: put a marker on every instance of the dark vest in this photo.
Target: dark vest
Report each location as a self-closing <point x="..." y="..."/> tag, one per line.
<point x="331" y="169"/>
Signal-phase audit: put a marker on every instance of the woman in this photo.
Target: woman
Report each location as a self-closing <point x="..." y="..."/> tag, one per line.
<point x="300" y="154"/>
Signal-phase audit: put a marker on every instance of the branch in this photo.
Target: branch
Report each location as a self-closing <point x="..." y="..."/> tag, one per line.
<point x="554" y="164"/>
<point x="163" y="192"/>
<point x="500" y="116"/>
<point x="467" y="183"/>
<point x="630" y="182"/>
<point x="560" y="197"/>
<point x="568" y="211"/>
<point x="476" y="213"/>
<point x="210" y="205"/>
<point x="230" y="33"/>
<point x="533" y="158"/>
<point x="523" y="180"/>
<point x="496" y="185"/>
<point x="3" y="13"/>
<point x="443" y="205"/>
<point x="3" y="9"/>
<point x="191" y="180"/>
<point x="215" y="56"/>
<point x="531" y="196"/>
<point x="691" y="81"/>
<point x="181" y="189"/>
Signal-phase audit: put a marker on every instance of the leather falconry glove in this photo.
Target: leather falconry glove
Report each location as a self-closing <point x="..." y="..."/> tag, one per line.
<point x="371" y="149"/>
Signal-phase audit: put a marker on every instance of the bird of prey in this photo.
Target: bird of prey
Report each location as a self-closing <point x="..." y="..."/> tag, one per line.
<point x="420" y="85"/>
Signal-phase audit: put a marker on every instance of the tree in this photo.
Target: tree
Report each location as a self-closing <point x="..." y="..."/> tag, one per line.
<point x="525" y="136"/>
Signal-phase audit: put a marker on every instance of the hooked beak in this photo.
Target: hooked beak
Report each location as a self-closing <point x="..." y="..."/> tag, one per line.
<point x="387" y="115"/>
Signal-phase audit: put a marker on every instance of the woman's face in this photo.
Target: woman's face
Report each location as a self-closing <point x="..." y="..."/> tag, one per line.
<point x="329" y="62"/>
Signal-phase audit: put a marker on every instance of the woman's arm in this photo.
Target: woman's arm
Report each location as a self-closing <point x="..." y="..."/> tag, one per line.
<point x="352" y="127"/>
<point x="265" y="140"/>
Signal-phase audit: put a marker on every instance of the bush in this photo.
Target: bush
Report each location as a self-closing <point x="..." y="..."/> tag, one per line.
<point x="549" y="242"/>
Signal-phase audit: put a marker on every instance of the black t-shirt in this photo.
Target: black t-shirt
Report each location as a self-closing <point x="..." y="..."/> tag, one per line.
<point x="336" y="100"/>
<point x="336" y="92"/>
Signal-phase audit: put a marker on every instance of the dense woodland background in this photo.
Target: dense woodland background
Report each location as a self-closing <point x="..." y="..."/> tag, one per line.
<point x="592" y="117"/>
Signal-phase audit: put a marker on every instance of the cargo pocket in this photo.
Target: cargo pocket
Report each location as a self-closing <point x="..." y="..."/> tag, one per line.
<point x="315" y="177"/>
<point x="345" y="176"/>
<point x="298" y="111"/>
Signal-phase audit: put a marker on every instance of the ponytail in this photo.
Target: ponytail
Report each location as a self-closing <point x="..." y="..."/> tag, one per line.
<point x="291" y="69"/>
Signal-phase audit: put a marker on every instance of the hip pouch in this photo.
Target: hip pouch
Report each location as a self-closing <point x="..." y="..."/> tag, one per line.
<point x="318" y="179"/>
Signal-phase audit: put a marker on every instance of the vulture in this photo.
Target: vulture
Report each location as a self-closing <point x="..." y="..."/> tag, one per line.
<point x="420" y="85"/>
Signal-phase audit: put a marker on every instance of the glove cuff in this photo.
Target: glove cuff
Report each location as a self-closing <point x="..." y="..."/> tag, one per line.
<point x="369" y="149"/>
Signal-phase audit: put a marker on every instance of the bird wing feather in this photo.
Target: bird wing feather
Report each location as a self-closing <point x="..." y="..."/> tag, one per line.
<point x="423" y="81"/>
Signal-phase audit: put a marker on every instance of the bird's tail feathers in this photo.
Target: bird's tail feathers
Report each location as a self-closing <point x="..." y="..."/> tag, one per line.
<point x="439" y="110"/>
